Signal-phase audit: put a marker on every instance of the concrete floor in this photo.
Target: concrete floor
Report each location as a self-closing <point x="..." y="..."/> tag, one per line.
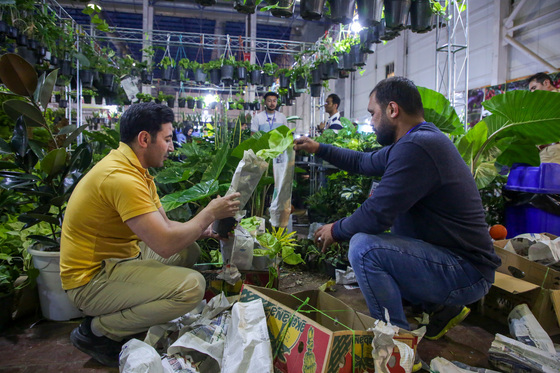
<point x="36" y="345"/>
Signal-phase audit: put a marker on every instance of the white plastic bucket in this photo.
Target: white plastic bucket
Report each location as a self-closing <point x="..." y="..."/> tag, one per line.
<point x="55" y="304"/>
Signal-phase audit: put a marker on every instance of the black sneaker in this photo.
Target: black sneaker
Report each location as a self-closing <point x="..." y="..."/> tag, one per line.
<point x="443" y="320"/>
<point x="102" y="349"/>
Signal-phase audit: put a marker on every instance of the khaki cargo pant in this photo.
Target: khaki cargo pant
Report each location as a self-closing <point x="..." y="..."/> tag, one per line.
<point x="130" y="295"/>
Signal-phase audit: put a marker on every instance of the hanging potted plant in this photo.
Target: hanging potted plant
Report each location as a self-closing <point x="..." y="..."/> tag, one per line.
<point x="227" y="68"/>
<point x="368" y="38"/>
<point x="170" y="99"/>
<point x="315" y="90"/>
<point x="311" y="10"/>
<point x="358" y="56"/>
<point x="269" y="71"/>
<point x="214" y="71"/>
<point x="181" y="102"/>
<point x="199" y="72"/>
<point x="369" y="12"/>
<point x="283" y="78"/>
<point x="299" y="77"/>
<point x="256" y="104"/>
<point x="88" y="94"/>
<point x="166" y="66"/>
<point x="242" y="67"/>
<point x="421" y="16"/>
<point x="190" y="102"/>
<point x="200" y="102"/>
<point x="183" y="68"/>
<point x="147" y="70"/>
<point x="396" y="13"/>
<point x="246" y="6"/>
<point x="342" y="11"/>
<point x="280" y="8"/>
<point x="256" y="74"/>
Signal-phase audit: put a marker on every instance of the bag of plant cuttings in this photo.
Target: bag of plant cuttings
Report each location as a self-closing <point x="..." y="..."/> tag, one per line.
<point x="245" y="179"/>
<point x="281" y="205"/>
<point x="238" y="250"/>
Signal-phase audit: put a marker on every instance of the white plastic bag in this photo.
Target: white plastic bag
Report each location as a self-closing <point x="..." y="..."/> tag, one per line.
<point x="247" y="347"/>
<point x="139" y="357"/>
<point x="238" y="250"/>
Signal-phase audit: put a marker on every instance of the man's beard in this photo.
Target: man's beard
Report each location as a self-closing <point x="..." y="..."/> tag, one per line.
<point x="386" y="132"/>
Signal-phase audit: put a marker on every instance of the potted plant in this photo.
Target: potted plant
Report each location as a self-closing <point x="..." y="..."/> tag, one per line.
<point x="147" y="71"/>
<point x="421" y="16"/>
<point x="342" y="11"/>
<point x="170" y="99"/>
<point x="227" y="67"/>
<point x="242" y="68"/>
<point x="269" y="71"/>
<point x="396" y="12"/>
<point x="369" y="12"/>
<point x="256" y="104"/>
<point x="280" y="8"/>
<point x="87" y="94"/>
<point x="199" y="72"/>
<point x="184" y="66"/>
<point x="214" y="69"/>
<point x="166" y="64"/>
<point x="256" y="74"/>
<point x="246" y="6"/>
<point x="144" y="97"/>
<point x="200" y="102"/>
<point x="283" y="77"/>
<point x="190" y="102"/>
<point x="311" y="10"/>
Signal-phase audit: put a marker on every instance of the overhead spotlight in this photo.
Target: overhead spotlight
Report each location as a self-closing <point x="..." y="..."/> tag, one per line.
<point x="355" y="26"/>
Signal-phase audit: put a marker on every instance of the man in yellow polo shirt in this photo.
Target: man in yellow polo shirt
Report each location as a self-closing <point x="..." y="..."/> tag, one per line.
<point x="115" y="207"/>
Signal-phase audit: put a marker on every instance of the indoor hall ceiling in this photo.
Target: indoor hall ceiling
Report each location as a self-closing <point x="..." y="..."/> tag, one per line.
<point x="187" y="16"/>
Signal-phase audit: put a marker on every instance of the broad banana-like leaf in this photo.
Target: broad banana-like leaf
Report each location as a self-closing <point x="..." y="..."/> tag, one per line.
<point x="173" y="175"/>
<point x="47" y="86"/>
<point x="18" y="75"/>
<point x="258" y="141"/>
<point x="471" y="142"/>
<point x="217" y="165"/>
<point x="484" y="174"/>
<point x="18" y="108"/>
<point x="438" y="110"/>
<point x="199" y="191"/>
<point x="54" y="162"/>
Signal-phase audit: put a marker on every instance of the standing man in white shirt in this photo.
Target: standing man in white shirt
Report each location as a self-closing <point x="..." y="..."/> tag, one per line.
<point x="269" y="118"/>
<point x="331" y="107"/>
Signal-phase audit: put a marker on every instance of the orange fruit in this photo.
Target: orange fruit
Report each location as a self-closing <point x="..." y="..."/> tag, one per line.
<point x="498" y="232"/>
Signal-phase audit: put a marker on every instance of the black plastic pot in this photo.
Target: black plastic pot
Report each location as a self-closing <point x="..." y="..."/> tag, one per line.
<point x="242" y="73"/>
<point x="323" y="68"/>
<point x="86" y="77"/>
<point x="246" y="106"/>
<point x="369" y="12"/>
<point x="396" y="13"/>
<point x="421" y="16"/>
<point x="99" y="100"/>
<point x="342" y="11"/>
<point x="21" y="40"/>
<point x="199" y="104"/>
<point x="41" y="51"/>
<point x="284" y="81"/>
<point x="63" y="104"/>
<point x="215" y="76"/>
<point x="65" y="68"/>
<point x="146" y="77"/>
<point x="358" y="57"/>
<point x="343" y="74"/>
<point x="206" y="2"/>
<point x="300" y="83"/>
<point x="316" y="90"/>
<point x="348" y="62"/>
<point x="200" y="76"/>
<point x="256" y="77"/>
<point x="331" y="69"/>
<point x="244" y="6"/>
<point x="190" y="103"/>
<point x="171" y="102"/>
<point x="367" y="39"/>
<point x="226" y="72"/>
<point x="166" y="73"/>
<point x="32" y="44"/>
<point x="316" y="76"/>
<point x="285" y="8"/>
<point x="257" y="106"/>
<point x="87" y="99"/>
<point x="54" y="61"/>
<point x="222" y="227"/>
<point x="107" y="80"/>
<point x="311" y="10"/>
<point x="267" y="80"/>
<point x="182" y="101"/>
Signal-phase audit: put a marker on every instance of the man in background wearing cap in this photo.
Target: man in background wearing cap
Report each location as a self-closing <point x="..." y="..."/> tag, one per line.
<point x="269" y="118"/>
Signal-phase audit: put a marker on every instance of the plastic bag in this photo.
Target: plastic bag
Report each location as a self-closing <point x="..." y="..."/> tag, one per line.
<point x="238" y="250"/>
<point x="281" y="205"/>
<point x="138" y="357"/>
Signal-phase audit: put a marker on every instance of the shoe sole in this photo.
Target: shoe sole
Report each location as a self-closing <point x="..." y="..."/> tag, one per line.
<point x="451" y="324"/>
<point x="101" y="359"/>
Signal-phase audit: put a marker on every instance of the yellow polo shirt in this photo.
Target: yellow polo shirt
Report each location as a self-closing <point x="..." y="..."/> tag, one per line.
<point x="114" y="190"/>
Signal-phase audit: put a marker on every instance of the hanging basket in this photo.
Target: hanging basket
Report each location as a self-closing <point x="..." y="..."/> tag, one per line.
<point x="421" y="16"/>
<point x="285" y="8"/>
<point x="215" y="76"/>
<point x="171" y="102"/>
<point x="311" y="10"/>
<point x="358" y="57"/>
<point x="331" y="68"/>
<point x="348" y="62"/>
<point x="182" y="101"/>
<point x="342" y="11"/>
<point x="199" y="104"/>
<point x="86" y="77"/>
<point x="300" y="84"/>
<point x="166" y="73"/>
<point x="66" y="68"/>
<point x="396" y="13"/>
<point x="226" y="72"/>
<point x="316" y="90"/>
<point x="369" y="12"/>
<point x="367" y="39"/>
<point x="268" y="80"/>
<point x="242" y="73"/>
<point x="284" y="81"/>
<point x="200" y="76"/>
<point x="107" y="80"/>
<point x="244" y="6"/>
<point x="99" y="100"/>
<point x="316" y="75"/>
<point x="190" y="103"/>
<point x="256" y="77"/>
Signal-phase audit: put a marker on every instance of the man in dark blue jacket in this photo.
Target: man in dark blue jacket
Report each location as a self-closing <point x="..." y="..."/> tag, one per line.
<point x="439" y="253"/>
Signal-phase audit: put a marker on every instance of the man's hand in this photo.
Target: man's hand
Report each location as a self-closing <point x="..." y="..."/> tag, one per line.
<point x="223" y="207"/>
<point x="323" y="237"/>
<point x="306" y="144"/>
<point x="209" y="233"/>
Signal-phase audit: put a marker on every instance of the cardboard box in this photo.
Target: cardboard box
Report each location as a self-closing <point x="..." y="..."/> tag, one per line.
<point x="304" y="340"/>
<point x="519" y="280"/>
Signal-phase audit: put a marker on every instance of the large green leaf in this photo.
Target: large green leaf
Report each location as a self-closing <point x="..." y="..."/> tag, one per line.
<point x="4" y="147"/>
<point x="17" y="108"/>
<point x="19" y="138"/>
<point x="54" y="162"/>
<point x="173" y="175"/>
<point x="278" y="142"/>
<point x="18" y="75"/>
<point x="218" y="162"/>
<point x="469" y="144"/>
<point x="70" y="139"/>
<point x="199" y="191"/>
<point x="438" y="110"/>
<point x="47" y="86"/>
<point x="258" y="141"/>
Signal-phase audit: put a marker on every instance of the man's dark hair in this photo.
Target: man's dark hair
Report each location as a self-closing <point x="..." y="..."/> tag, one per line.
<point x="402" y="91"/>
<point x="540" y="78"/>
<point x="270" y="93"/>
<point x="335" y="99"/>
<point x="145" y="116"/>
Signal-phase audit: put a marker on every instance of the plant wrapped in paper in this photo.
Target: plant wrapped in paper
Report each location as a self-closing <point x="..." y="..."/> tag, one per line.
<point x="251" y="168"/>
